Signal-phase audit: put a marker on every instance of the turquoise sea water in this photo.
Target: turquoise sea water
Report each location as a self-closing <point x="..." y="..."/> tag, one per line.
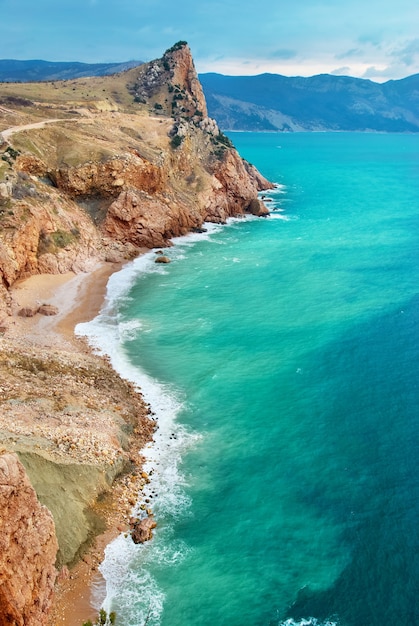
<point x="281" y="357"/>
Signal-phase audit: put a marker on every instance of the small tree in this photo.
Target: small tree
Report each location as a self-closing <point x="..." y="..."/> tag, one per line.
<point x="176" y="141"/>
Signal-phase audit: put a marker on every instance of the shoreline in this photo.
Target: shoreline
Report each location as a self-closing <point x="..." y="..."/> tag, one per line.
<point x="79" y="298"/>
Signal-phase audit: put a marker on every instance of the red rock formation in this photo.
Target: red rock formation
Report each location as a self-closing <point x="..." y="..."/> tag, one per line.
<point x="107" y="179"/>
<point x="143" y="178"/>
<point x="142" y="530"/>
<point x="185" y="75"/>
<point x="28" y="548"/>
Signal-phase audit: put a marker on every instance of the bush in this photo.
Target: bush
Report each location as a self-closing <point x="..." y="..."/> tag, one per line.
<point x="61" y="238"/>
<point x="103" y="619"/>
<point x="224" y="140"/>
<point x="176" y="46"/>
<point x="176" y="141"/>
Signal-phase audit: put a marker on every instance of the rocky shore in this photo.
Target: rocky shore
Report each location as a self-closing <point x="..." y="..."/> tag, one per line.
<point x="91" y="173"/>
<point x="76" y="428"/>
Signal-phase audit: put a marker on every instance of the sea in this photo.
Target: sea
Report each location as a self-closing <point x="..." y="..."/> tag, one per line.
<point x="280" y="357"/>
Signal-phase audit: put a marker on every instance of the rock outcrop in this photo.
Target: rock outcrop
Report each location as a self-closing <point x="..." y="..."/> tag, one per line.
<point x="28" y="548"/>
<point x="142" y="529"/>
<point x="151" y="169"/>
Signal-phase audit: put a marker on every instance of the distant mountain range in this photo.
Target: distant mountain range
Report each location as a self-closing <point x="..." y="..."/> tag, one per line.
<point x="324" y="102"/>
<point x="13" y="71"/>
<point x="271" y="102"/>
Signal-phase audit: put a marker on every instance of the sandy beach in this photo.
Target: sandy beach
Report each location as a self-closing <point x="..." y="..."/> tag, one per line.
<point x="79" y="298"/>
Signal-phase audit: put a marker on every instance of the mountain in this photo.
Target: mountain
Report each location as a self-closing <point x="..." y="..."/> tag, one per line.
<point x="270" y="102"/>
<point x="13" y="71"/>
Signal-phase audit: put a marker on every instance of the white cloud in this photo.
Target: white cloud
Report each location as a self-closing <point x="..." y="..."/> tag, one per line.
<point x="342" y="71"/>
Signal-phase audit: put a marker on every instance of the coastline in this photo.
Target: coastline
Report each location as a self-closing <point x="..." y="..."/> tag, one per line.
<point x="79" y="298"/>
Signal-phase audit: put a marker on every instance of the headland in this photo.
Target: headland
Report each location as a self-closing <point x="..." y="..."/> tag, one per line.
<point x="92" y="172"/>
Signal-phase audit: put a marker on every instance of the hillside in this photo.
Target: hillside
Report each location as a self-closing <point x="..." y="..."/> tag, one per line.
<point x="271" y="102"/>
<point x="12" y="70"/>
<point x="111" y="163"/>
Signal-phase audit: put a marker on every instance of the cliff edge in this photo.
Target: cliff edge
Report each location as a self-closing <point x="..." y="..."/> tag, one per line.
<point x="116" y="163"/>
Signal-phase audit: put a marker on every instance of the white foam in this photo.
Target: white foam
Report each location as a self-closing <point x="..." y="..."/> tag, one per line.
<point x="311" y="621"/>
<point x="128" y="582"/>
<point x="139" y="598"/>
<point x="280" y="216"/>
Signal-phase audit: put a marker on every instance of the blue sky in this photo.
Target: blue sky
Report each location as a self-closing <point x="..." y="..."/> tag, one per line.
<point x="376" y="39"/>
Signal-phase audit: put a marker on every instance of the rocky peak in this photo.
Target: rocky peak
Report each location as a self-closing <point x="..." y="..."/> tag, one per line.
<point x="171" y="84"/>
<point x="185" y="77"/>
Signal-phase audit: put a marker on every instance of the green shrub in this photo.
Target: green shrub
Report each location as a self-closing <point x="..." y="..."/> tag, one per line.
<point x="103" y="619"/>
<point x="224" y="140"/>
<point x="62" y="238"/>
<point x="176" y="141"/>
<point x="176" y="46"/>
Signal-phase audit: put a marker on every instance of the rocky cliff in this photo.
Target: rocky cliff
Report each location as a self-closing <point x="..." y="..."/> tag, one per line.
<point x="28" y="548"/>
<point x="102" y="175"/>
<point x="90" y="170"/>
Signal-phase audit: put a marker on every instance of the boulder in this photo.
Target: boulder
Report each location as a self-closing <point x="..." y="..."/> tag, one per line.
<point x="142" y="529"/>
<point x="28" y="311"/>
<point x="48" y="309"/>
<point x="256" y="207"/>
<point x="162" y="259"/>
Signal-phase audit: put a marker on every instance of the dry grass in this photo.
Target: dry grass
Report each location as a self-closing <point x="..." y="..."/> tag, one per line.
<point x="107" y="92"/>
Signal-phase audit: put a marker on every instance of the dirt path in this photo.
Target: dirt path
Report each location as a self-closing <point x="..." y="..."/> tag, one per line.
<point x="8" y="132"/>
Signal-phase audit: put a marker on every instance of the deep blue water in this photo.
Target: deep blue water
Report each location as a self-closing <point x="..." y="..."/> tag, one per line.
<point x="282" y="357"/>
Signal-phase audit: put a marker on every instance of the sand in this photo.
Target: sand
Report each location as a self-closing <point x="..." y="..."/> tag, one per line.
<point x="79" y="298"/>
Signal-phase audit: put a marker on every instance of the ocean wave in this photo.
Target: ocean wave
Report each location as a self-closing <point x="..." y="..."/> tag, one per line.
<point x="133" y="591"/>
<point x="279" y="188"/>
<point x="311" y="621"/>
<point x="129" y="587"/>
<point x="279" y="216"/>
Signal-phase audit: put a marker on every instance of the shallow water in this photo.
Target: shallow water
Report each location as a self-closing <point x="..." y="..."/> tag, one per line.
<point x="281" y="357"/>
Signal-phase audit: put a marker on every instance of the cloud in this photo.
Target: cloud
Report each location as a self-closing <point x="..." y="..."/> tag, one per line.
<point x="283" y="53"/>
<point x="341" y="71"/>
<point x="374" y="39"/>
<point x="388" y="72"/>
<point x="353" y="52"/>
<point x="407" y="54"/>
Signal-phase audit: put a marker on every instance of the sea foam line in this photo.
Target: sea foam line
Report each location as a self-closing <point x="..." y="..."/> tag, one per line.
<point x="129" y="585"/>
<point x="311" y="621"/>
<point x="128" y="582"/>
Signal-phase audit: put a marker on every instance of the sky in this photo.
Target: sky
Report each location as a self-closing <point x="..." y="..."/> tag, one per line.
<point x="375" y="39"/>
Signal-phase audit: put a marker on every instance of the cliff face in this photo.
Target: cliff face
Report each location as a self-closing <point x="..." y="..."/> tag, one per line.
<point x="91" y="186"/>
<point x="27" y="549"/>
